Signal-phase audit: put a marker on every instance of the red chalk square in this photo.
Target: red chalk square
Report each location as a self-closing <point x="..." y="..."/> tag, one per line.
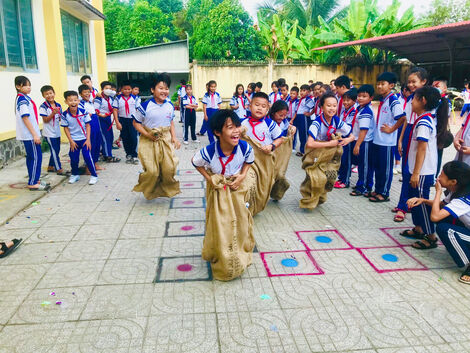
<point x="391" y="259"/>
<point x="329" y="239"/>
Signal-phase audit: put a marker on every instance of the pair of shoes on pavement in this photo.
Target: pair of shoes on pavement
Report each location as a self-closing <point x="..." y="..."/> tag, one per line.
<point x="132" y="160"/>
<point x="187" y="143"/>
<point x="74" y="178"/>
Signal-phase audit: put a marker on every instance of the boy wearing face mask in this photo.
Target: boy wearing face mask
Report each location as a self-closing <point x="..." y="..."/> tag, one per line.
<point x="104" y="109"/>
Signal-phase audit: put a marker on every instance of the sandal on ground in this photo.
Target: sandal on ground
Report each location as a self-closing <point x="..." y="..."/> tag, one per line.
<point x="412" y="233"/>
<point x="113" y="159"/>
<point x="377" y="198"/>
<point x="299" y="154"/>
<point x="395" y="210"/>
<point x="465" y="273"/>
<point x="370" y="194"/>
<point x="41" y="187"/>
<point x="8" y="250"/>
<point x="419" y="245"/>
<point x="355" y="193"/>
<point x="340" y="185"/>
<point x="399" y="217"/>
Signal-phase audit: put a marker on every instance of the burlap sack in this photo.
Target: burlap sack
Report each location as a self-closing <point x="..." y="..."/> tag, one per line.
<point x="321" y="166"/>
<point x="229" y="241"/>
<point x="159" y="163"/>
<point x="262" y="170"/>
<point x="281" y="162"/>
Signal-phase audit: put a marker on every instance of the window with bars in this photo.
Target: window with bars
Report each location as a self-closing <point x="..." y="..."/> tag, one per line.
<point x="17" y="45"/>
<point x="76" y="43"/>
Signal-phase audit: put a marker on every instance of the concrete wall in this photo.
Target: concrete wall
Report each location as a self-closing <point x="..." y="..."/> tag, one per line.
<point x="228" y="76"/>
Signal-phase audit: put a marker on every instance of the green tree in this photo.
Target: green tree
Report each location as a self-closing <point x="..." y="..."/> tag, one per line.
<point x="226" y="33"/>
<point x="148" y="24"/>
<point x="448" y="11"/>
<point x="116" y="26"/>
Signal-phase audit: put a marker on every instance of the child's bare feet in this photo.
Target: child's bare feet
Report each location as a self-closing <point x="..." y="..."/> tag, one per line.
<point x="98" y="167"/>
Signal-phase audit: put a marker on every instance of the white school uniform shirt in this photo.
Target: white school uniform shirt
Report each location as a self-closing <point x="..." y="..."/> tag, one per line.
<point x="242" y="103"/>
<point x="389" y="112"/>
<point x="189" y="100"/>
<point x="94" y="92"/>
<point x="320" y="129"/>
<point x="305" y="105"/>
<point x="466" y="140"/>
<point x="466" y="96"/>
<point x="212" y="158"/>
<point x="410" y="115"/>
<point x="154" y="115"/>
<point x="25" y="107"/>
<point x="87" y="106"/>
<point x="424" y="130"/>
<point x="284" y="125"/>
<point x="120" y="103"/>
<point x="364" y="121"/>
<point x="273" y="97"/>
<point x="52" y="127"/>
<point x="348" y="115"/>
<point x="182" y="91"/>
<point x="264" y="130"/>
<point x="292" y="105"/>
<point x="76" y="123"/>
<point x="459" y="208"/>
<point x="212" y="101"/>
<point x="103" y="105"/>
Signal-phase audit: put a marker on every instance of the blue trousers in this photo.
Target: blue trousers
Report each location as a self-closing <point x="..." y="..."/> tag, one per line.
<point x="365" y="179"/>
<point x="107" y="136"/>
<point x="406" y="175"/>
<point x="397" y="154"/>
<point x="54" y="146"/>
<point x="383" y="168"/>
<point x="210" y="112"/>
<point x="301" y="122"/>
<point x="344" y="173"/>
<point x="33" y="161"/>
<point x="465" y="108"/>
<point x="421" y="214"/>
<point x="129" y="137"/>
<point x="75" y="158"/>
<point x="95" y="137"/>
<point x="456" y="239"/>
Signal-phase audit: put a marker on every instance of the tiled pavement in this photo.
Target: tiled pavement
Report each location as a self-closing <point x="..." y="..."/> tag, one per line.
<point x="128" y="277"/>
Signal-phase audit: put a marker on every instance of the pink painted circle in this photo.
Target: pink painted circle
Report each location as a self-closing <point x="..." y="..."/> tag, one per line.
<point x="187" y="228"/>
<point x="189" y="202"/>
<point x="189" y="172"/>
<point x="188" y="184"/>
<point x="184" y="267"/>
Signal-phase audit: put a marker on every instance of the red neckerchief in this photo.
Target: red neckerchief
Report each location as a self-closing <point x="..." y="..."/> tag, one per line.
<point x="380" y="107"/>
<point x="411" y="134"/>
<point x="93" y="93"/>
<point x="340" y="105"/>
<point x="190" y="102"/>
<point x="346" y="113"/>
<point x="213" y="99"/>
<point x="298" y="106"/>
<point x="78" y="120"/>
<point x="35" y="108"/>
<point x="275" y="97"/>
<point x="290" y="108"/>
<point x="254" y="123"/>
<point x="317" y="108"/>
<point x="50" y="107"/>
<point x="110" y="108"/>
<point x="331" y="129"/>
<point x="224" y="165"/>
<point x="355" y="116"/>
<point x="126" y="104"/>
<point x="242" y="101"/>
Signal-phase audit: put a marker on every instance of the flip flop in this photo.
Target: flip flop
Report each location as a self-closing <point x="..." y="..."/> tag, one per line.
<point x="399" y="218"/>
<point x="377" y="200"/>
<point x="8" y="250"/>
<point x="414" y="234"/>
<point x="422" y="246"/>
<point x="355" y="193"/>
<point x="465" y="273"/>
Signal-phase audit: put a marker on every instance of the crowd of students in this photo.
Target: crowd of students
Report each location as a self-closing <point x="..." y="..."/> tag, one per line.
<point x="410" y="127"/>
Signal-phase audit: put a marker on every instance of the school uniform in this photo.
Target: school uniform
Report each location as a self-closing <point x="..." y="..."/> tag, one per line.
<point x="264" y="130"/>
<point x="466" y="102"/>
<point x="384" y="144"/>
<point x="51" y="132"/>
<point x="273" y="97"/>
<point x="340" y="105"/>
<point x="440" y="150"/>
<point x="424" y="130"/>
<point x="211" y="101"/>
<point x="94" y="93"/>
<point x="303" y="122"/>
<point x="455" y="235"/>
<point x="292" y="105"/>
<point x="126" y="108"/>
<point x="77" y="128"/>
<point x="212" y="158"/>
<point x="284" y="126"/>
<point x="286" y="98"/>
<point x="25" y="107"/>
<point x="466" y="141"/>
<point x="344" y="173"/>
<point x="249" y="96"/>
<point x="154" y="115"/>
<point x="321" y="130"/>
<point x="242" y="103"/>
<point x="104" y="105"/>
<point x="181" y="94"/>
<point x="189" y="117"/>
<point x="95" y="134"/>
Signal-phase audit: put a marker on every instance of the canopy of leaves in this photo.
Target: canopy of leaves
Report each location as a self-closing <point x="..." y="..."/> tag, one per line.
<point x="448" y="11"/>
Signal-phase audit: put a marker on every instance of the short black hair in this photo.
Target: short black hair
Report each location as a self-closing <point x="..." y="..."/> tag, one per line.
<point x="85" y="77"/>
<point x="135" y="85"/>
<point x="113" y="85"/>
<point x="126" y="83"/>
<point x="22" y="81"/>
<point x="217" y="121"/>
<point x="277" y="107"/>
<point x="312" y="86"/>
<point x="46" y="88"/>
<point x="105" y="83"/>
<point x="352" y="93"/>
<point x="388" y="76"/>
<point x="275" y="83"/>
<point x="326" y="87"/>
<point x="82" y="88"/>
<point x="369" y="89"/>
<point x="70" y="93"/>
<point x="343" y="80"/>
<point x="161" y="77"/>
<point x="295" y="89"/>
<point x="324" y="97"/>
<point x="284" y="85"/>
<point x="432" y="96"/>
<point x="183" y="81"/>
<point x="189" y="86"/>
<point x="252" y="85"/>
<point x="260" y="95"/>
<point x="281" y="81"/>
<point x="318" y="83"/>
<point x="305" y="88"/>
<point x="259" y="85"/>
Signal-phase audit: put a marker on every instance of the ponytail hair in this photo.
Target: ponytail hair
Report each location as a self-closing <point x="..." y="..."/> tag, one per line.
<point x="442" y="117"/>
<point x="209" y="84"/>
<point x="459" y="171"/>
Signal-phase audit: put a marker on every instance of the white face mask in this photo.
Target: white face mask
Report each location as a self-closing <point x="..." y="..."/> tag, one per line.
<point x="109" y="92"/>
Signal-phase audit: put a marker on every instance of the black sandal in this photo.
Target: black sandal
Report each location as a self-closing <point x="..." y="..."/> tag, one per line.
<point x="467" y="274"/>
<point x="8" y="250"/>
<point x="422" y="246"/>
<point x="113" y="159"/>
<point x="370" y="194"/>
<point x="377" y="200"/>
<point x="356" y="193"/>
<point x="414" y="234"/>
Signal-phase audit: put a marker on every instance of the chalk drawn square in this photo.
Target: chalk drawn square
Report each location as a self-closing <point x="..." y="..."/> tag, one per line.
<point x="289" y="263"/>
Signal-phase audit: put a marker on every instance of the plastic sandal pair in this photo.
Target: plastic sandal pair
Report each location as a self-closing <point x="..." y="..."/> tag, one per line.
<point x="8" y="250"/>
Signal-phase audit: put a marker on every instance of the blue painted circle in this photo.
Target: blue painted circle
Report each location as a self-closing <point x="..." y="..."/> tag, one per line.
<point x="289" y="263"/>
<point x="390" y="257"/>
<point x="323" y="239"/>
